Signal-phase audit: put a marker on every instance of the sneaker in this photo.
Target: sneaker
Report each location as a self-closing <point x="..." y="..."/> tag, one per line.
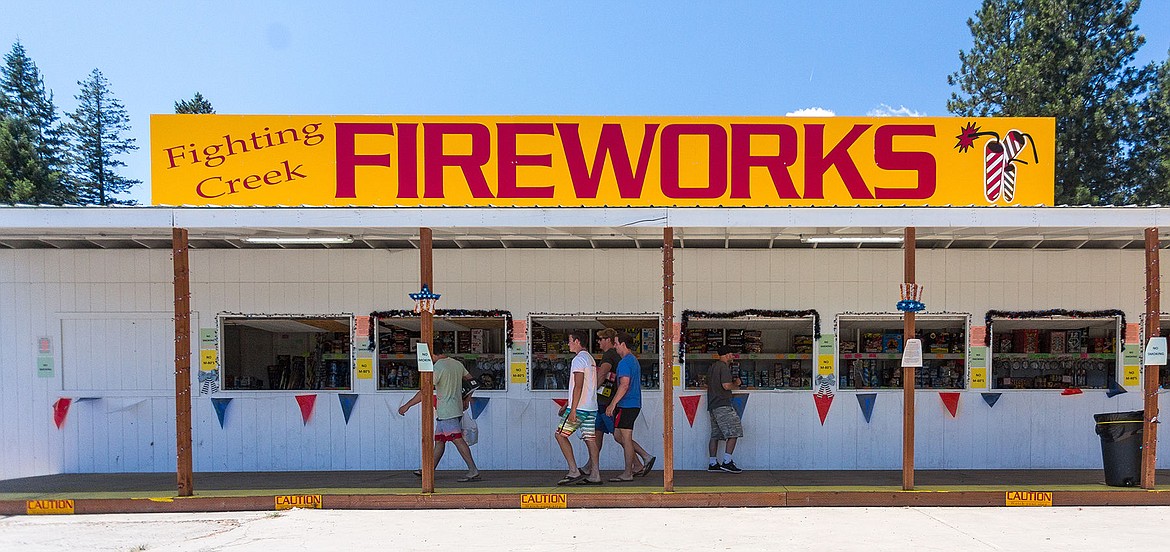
<point x="728" y="467"/>
<point x="714" y="468"/>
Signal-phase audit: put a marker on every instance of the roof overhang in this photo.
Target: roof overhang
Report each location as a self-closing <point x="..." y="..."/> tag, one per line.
<point x="617" y="227"/>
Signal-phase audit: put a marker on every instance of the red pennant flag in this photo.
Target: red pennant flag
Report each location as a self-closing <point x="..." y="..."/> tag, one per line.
<point x="60" y="410"/>
<point x="1071" y="391"/>
<point x="690" y="404"/>
<point x="951" y="400"/>
<point x="824" y="401"/>
<point x="562" y="402"/>
<point x="306" y="402"/>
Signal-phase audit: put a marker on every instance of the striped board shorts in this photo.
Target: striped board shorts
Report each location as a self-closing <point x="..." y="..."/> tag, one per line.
<point x="586" y="422"/>
<point x="725" y="424"/>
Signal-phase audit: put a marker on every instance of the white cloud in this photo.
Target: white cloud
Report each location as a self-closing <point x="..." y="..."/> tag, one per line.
<point x="811" y="112"/>
<point x="884" y="110"/>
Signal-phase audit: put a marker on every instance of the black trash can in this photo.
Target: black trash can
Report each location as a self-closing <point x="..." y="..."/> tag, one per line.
<point x="1121" y="447"/>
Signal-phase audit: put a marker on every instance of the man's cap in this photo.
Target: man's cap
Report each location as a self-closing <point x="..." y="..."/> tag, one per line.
<point x="725" y="350"/>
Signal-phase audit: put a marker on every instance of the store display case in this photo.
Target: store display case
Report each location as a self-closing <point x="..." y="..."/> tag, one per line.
<point x="480" y="343"/>
<point x="1055" y="352"/>
<point x="301" y="353"/>
<point x="770" y="353"/>
<point x="548" y="342"/>
<point x="870" y="347"/>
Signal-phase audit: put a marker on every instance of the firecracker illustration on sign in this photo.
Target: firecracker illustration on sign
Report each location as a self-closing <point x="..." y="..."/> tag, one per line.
<point x="1000" y="157"/>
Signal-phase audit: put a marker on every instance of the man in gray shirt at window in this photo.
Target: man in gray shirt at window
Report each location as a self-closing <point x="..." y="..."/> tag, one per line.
<point x="725" y="424"/>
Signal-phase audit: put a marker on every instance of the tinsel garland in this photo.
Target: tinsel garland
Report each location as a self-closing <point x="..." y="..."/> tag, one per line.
<point x="441" y="313"/>
<point x="762" y="313"/>
<point x="1016" y="315"/>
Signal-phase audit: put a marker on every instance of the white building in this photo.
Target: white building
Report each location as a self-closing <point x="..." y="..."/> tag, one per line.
<point x="97" y="284"/>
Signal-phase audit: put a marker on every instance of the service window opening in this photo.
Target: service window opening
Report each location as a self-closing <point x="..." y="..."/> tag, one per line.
<point x="291" y="353"/>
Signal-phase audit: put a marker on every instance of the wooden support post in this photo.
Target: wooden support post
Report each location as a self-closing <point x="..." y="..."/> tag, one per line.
<point x="667" y="379"/>
<point x="426" y="379"/>
<point x="908" y="247"/>
<point x="1153" y="328"/>
<point x="182" y="361"/>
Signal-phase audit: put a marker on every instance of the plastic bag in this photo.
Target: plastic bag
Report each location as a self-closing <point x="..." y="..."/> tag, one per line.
<point x="470" y="430"/>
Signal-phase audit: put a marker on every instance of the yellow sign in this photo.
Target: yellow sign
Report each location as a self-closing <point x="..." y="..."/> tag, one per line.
<point x="1028" y="498"/>
<point x="207" y="358"/>
<point x="48" y="507"/>
<point x="365" y="368"/>
<point x="676" y="379"/>
<point x="542" y="500"/>
<point x="519" y="372"/>
<point x="571" y="161"/>
<point x="1133" y="376"/>
<point x="979" y="378"/>
<point x="288" y="502"/>
<point x="825" y="365"/>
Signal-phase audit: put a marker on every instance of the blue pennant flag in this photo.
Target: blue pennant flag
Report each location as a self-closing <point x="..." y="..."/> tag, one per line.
<point x="739" y="402"/>
<point x="991" y="398"/>
<point x="347" y="401"/>
<point x="477" y="406"/>
<point x="866" y="401"/>
<point x="1114" y="389"/>
<point x="220" y="404"/>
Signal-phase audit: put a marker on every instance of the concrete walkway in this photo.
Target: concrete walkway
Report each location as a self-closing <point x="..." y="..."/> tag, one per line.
<point x="814" y="529"/>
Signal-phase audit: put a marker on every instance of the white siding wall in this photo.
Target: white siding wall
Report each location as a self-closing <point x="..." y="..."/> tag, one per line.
<point x="134" y="430"/>
<point x="124" y="430"/>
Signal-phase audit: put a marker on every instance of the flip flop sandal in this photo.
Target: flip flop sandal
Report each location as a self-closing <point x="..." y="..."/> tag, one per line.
<point x="569" y="479"/>
<point x="620" y="480"/>
<point x="588" y="482"/>
<point x="646" y="468"/>
<point x="418" y="473"/>
<point x="468" y="479"/>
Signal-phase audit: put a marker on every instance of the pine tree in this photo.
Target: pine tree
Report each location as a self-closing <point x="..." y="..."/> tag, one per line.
<point x="18" y="163"/>
<point x="98" y="128"/>
<point x="34" y="145"/>
<point x="1152" y="154"/>
<point x="1068" y="59"/>
<point x="194" y="106"/>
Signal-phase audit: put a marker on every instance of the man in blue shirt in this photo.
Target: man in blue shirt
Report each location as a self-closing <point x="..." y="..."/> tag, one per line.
<point x="626" y="404"/>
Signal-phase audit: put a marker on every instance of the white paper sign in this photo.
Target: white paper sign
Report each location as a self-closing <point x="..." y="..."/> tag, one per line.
<point x="1156" y="352"/>
<point x="912" y="354"/>
<point x="425" y="364"/>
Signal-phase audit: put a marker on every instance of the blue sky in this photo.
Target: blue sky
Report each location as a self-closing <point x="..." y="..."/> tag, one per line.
<point x="595" y="58"/>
